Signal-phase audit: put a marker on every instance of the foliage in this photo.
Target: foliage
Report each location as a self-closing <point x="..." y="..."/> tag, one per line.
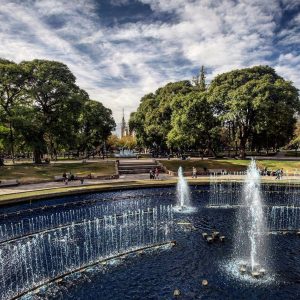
<point x="252" y="107"/>
<point x="193" y="124"/>
<point x="258" y="103"/>
<point x="152" y="121"/>
<point x="46" y="111"/>
<point x="128" y="142"/>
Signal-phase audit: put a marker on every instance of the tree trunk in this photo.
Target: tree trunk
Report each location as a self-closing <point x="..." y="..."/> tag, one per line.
<point x="37" y="156"/>
<point x="12" y="149"/>
<point x="243" y="148"/>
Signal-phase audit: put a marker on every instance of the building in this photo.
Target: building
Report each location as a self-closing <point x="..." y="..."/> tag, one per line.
<point x="124" y="127"/>
<point x="125" y="131"/>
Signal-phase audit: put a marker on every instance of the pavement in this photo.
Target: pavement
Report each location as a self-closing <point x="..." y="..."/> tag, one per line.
<point x="54" y="184"/>
<point x="127" y="178"/>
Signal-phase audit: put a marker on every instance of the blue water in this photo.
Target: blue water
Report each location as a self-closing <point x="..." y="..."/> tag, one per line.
<point x="156" y="274"/>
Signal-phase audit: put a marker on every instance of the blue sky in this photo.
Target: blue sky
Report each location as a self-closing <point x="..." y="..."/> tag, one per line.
<point x="120" y="50"/>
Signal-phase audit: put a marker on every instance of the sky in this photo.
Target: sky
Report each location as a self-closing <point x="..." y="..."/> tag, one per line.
<point x="120" y="50"/>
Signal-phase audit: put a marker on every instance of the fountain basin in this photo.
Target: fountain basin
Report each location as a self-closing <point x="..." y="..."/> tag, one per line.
<point x="145" y="274"/>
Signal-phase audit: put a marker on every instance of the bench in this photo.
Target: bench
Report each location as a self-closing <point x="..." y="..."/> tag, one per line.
<point x="9" y="182"/>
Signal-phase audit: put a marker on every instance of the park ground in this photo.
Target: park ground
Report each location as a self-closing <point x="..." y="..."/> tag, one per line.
<point x="27" y="173"/>
<point x="30" y="173"/>
<point x="37" y="181"/>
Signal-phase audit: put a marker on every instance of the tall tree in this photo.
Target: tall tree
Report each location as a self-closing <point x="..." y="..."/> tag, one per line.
<point x="12" y="81"/>
<point x="97" y="124"/>
<point x="55" y="98"/>
<point x="152" y="121"/>
<point x="255" y="100"/>
<point x="193" y="124"/>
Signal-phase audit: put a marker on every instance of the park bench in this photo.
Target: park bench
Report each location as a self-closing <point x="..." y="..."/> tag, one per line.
<point x="9" y="182"/>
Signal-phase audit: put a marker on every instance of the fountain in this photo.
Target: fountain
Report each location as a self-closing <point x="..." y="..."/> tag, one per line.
<point x="183" y="194"/>
<point x="41" y="257"/>
<point x="251" y="238"/>
<point x="126" y="153"/>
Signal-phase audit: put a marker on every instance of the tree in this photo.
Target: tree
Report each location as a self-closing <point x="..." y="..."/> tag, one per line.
<point x="112" y="142"/>
<point x="52" y="88"/>
<point x="128" y="142"/>
<point x="152" y="121"/>
<point x="193" y="124"/>
<point x="12" y="82"/>
<point x="295" y="142"/>
<point x="257" y="101"/>
<point x="96" y="126"/>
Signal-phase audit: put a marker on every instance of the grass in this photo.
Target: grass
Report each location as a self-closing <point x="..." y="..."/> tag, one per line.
<point x="230" y="164"/>
<point x="30" y="173"/>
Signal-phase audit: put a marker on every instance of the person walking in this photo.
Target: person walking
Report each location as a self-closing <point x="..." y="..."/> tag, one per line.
<point x="151" y="174"/>
<point x="194" y="173"/>
<point x="281" y="173"/>
<point x="64" y="175"/>
<point x="156" y="173"/>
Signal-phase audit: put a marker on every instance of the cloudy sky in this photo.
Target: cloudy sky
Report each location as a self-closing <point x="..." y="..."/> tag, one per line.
<point x="120" y="50"/>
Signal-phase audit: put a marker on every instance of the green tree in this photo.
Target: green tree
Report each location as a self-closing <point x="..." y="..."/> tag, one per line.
<point x="56" y="98"/>
<point x="12" y="82"/>
<point x="97" y="124"/>
<point x="152" y="121"/>
<point x="193" y="124"/>
<point x="255" y="100"/>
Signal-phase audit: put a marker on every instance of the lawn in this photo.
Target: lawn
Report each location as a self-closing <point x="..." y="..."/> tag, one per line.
<point x="230" y="164"/>
<point x="28" y="172"/>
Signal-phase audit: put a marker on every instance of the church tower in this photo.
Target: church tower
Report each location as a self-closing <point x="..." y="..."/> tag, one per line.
<point x="123" y="126"/>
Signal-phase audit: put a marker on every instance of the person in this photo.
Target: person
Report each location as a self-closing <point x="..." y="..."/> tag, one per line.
<point x="281" y="173"/>
<point x="151" y="174"/>
<point x="64" y="175"/>
<point x="156" y="173"/>
<point x="277" y="173"/>
<point x="81" y="180"/>
<point x="194" y="173"/>
<point x="72" y="177"/>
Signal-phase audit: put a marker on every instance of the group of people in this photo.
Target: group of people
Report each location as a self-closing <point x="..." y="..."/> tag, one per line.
<point x="154" y="174"/>
<point x="278" y="173"/>
<point x="70" y="177"/>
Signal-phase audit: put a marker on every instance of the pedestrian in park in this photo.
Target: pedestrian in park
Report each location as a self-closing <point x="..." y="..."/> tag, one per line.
<point x="194" y="173"/>
<point x="64" y="176"/>
<point x="151" y="174"/>
<point x="281" y="173"/>
<point x="277" y="173"/>
<point x="156" y="173"/>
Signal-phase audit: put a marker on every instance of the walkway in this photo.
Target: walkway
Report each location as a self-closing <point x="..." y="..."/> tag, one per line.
<point x="50" y="185"/>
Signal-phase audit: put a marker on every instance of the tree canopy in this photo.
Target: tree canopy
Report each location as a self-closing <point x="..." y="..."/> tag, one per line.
<point x="260" y="105"/>
<point x="253" y="108"/>
<point x="45" y="111"/>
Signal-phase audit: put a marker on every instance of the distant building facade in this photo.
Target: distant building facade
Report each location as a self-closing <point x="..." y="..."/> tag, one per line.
<point x="125" y="131"/>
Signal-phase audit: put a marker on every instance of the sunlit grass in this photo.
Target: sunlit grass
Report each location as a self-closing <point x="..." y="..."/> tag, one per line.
<point x="31" y="173"/>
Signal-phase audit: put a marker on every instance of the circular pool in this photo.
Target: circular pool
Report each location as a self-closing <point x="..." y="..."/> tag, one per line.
<point x="118" y="245"/>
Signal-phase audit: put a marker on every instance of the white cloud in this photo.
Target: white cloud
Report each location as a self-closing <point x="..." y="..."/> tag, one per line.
<point x="119" y="64"/>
